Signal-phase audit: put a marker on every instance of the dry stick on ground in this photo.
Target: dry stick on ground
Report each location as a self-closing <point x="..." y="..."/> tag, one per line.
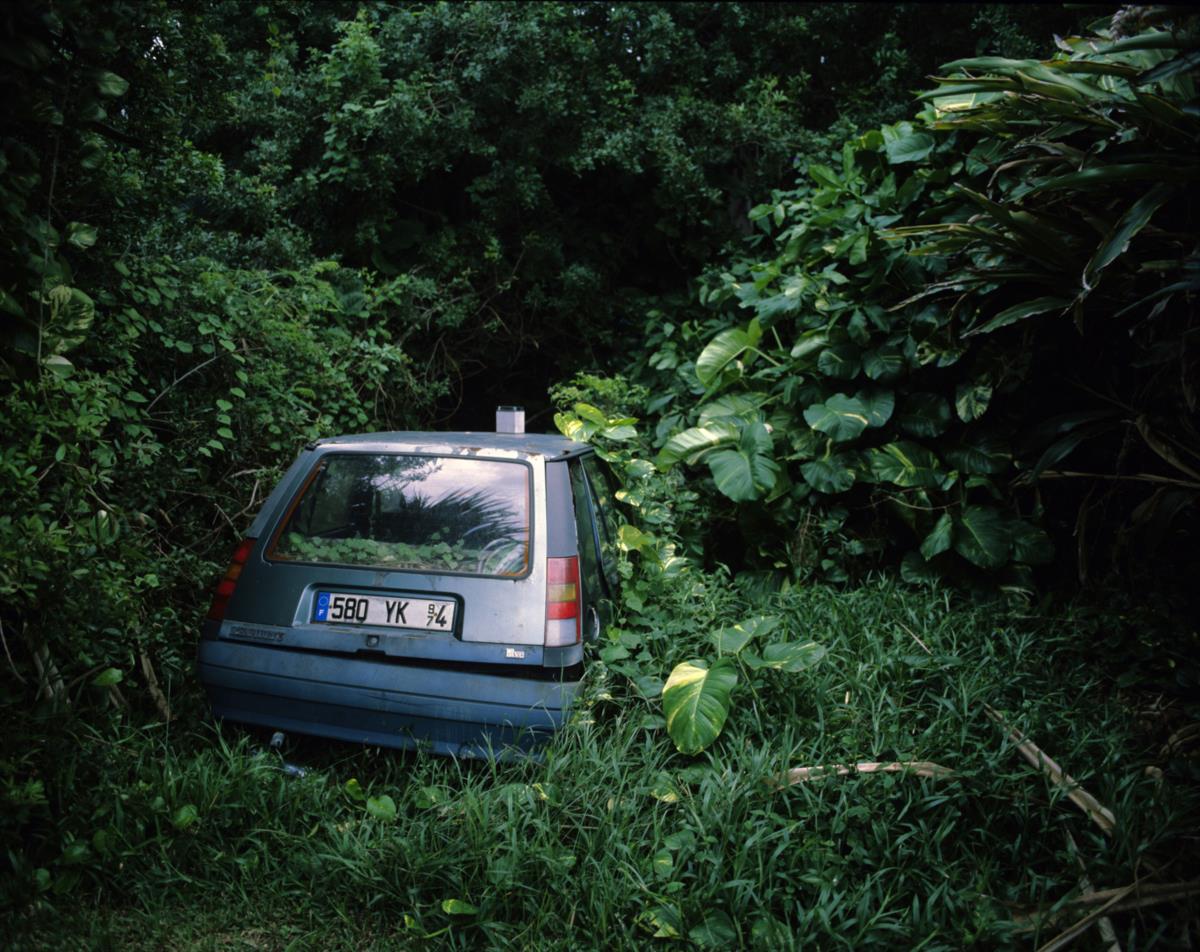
<point x="922" y="768"/>
<point x="1107" y="933"/>
<point x="1099" y="814"/>
<point x="160" y="700"/>
<point x="924" y="647"/>
<point x="1147" y="894"/>
<point x="1066" y="938"/>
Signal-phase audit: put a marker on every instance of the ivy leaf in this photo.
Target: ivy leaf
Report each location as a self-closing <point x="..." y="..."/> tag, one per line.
<point x="696" y="702"/>
<point x="791" y="657"/>
<point x="981" y="537"/>
<point x="726" y="346"/>
<point x="924" y="414"/>
<point x="834" y="474"/>
<point x="1030" y="544"/>
<point x="664" y="921"/>
<point x="382" y="808"/>
<point x="185" y="816"/>
<point x="729" y="641"/>
<point x="916" y="571"/>
<point x="110" y="84"/>
<point x="903" y="144"/>
<point x="458" y="907"/>
<point x="841" y="417"/>
<point x="81" y="236"/>
<point x="940" y="539"/>
<point x="693" y="443"/>
<point x="108" y="678"/>
<point x="58" y="365"/>
<point x="971" y="400"/>
<point x="746" y="472"/>
<point x="986" y="456"/>
<point x="841" y="361"/>
<point x="909" y="465"/>
<point x="885" y="363"/>
<point x="879" y="405"/>
<point x="734" y="639"/>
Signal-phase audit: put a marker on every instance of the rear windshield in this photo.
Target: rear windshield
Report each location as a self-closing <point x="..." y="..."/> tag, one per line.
<point x="420" y="513"/>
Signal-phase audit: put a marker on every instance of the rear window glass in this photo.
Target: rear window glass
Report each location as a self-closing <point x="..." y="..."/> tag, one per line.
<point x="418" y="513"/>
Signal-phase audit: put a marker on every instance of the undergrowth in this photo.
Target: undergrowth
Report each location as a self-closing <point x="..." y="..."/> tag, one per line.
<point x="196" y="837"/>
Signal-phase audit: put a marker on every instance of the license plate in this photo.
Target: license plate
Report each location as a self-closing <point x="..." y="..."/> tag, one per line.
<point x="387" y="611"/>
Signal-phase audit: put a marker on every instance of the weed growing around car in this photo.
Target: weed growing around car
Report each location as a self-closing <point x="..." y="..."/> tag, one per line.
<point x="200" y="839"/>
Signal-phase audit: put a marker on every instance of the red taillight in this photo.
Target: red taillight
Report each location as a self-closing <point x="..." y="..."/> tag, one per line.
<point x="562" y="601"/>
<point x="226" y="586"/>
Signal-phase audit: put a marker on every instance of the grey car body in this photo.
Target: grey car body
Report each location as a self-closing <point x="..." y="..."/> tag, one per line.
<point x="461" y="638"/>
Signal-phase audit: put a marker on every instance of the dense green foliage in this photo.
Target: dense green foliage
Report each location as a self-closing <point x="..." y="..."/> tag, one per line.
<point x="959" y="311"/>
<point x="202" y="841"/>
<point x="963" y="344"/>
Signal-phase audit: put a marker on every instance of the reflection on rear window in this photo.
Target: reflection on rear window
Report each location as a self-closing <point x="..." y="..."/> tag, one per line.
<point x="423" y="513"/>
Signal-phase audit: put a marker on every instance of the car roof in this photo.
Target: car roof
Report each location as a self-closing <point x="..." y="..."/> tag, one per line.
<point x="526" y="444"/>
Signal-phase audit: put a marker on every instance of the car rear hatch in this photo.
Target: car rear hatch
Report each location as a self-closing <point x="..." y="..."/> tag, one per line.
<point x="426" y="579"/>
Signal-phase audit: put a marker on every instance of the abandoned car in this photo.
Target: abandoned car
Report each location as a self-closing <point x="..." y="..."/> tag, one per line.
<point x="418" y="590"/>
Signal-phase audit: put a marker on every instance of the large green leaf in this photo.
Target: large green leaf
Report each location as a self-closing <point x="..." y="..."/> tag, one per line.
<point x="939" y="538"/>
<point x="985" y="455"/>
<point x="382" y="807"/>
<point x="733" y="639"/>
<point x="1136" y="217"/>
<point x="841" y="417"/>
<point x="904" y="144"/>
<point x="726" y="346"/>
<point x="879" y="404"/>
<point x="841" y="361"/>
<point x="692" y="444"/>
<point x="924" y="414"/>
<point x="791" y="657"/>
<point x="1018" y="312"/>
<point x="981" y="536"/>
<point x="734" y="407"/>
<point x="1182" y="63"/>
<point x="81" y="236"/>
<point x="833" y="474"/>
<point x="809" y="343"/>
<point x="909" y="465"/>
<point x="1112" y="174"/>
<point x="748" y="470"/>
<point x="696" y="702"/>
<point x="884" y="363"/>
<point x="1030" y="544"/>
<point x="916" y="571"/>
<point x="971" y="399"/>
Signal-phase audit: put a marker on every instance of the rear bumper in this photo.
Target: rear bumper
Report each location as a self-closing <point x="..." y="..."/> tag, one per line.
<point x="385" y="704"/>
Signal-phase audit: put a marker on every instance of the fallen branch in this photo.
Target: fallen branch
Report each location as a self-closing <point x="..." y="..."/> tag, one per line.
<point x="922" y="768"/>
<point x="1144" y="894"/>
<point x="1148" y="894"/>
<point x="1099" y="814"/>
<point x="1104" y="924"/>
<point x="160" y="700"/>
<point x="1066" y="938"/>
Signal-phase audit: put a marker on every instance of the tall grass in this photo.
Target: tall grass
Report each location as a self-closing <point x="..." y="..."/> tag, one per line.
<point x="199" y="839"/>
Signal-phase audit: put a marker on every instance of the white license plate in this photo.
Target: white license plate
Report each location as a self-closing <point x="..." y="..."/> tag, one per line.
<point x="387" y="611"/>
